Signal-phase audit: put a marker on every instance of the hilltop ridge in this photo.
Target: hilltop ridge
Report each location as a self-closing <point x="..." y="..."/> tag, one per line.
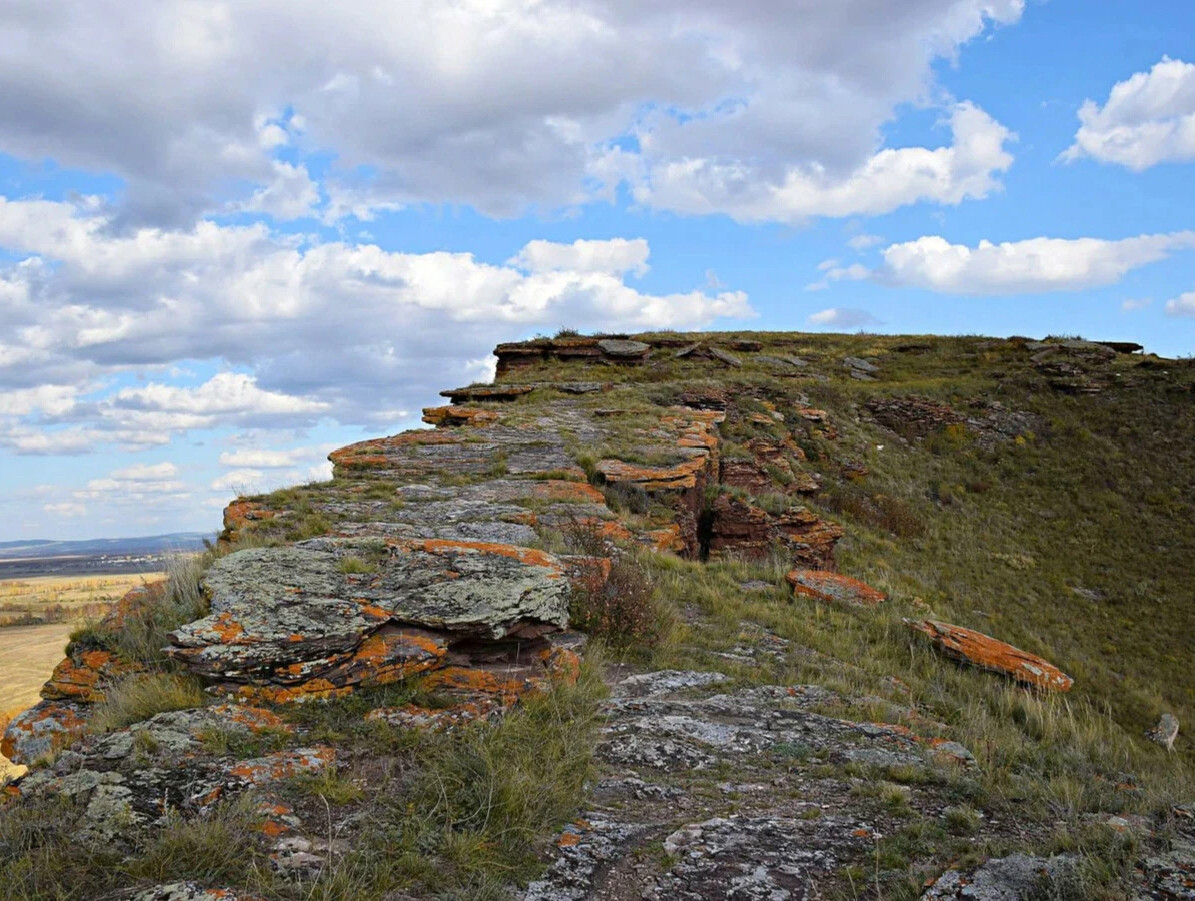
<point x="758" y="615"/>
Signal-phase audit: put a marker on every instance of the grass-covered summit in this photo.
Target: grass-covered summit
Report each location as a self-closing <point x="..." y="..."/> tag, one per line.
<point x="669" y="616"/>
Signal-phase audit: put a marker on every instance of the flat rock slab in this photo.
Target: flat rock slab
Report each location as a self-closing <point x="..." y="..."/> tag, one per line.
<point x="977" y="649"/>
<point x="1017" y="877"/>
<point x="292" y="614"/>
<point x="624" y="349"/>
<point x="833" y="587"/>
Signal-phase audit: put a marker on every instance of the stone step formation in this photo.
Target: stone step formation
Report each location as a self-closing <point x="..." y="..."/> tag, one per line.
<point x="435" y="555"/>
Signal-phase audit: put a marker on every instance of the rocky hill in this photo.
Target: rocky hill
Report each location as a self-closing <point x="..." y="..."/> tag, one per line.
<point x="757" y="616"/>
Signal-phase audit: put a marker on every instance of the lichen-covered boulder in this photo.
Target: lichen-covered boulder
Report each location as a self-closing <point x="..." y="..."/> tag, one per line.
<point x="41" y="729"/>
<point x="302" y="615"/>
<point x="827" y="586"/>
<point x="977" y="649"/>
<point x="84" y="674"/>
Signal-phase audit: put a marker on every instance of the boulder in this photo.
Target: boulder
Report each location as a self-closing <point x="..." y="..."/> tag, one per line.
<point x="1165" y="732"/>
<point x="977" y="649"/>
<point x="292" y="621"/>
<point x="84" y="673"/>
<point x="827" y="586"/>
<point x="1017" y="877"/>
<point x="624" y="350"/>
<point x="41" y="729"/>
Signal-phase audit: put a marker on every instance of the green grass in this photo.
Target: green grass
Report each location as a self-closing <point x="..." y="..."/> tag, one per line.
<point x="138" y="697"/>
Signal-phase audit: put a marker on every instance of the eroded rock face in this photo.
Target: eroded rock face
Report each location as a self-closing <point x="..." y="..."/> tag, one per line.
<point x="742" y="529"/>
<point x="988" y="653"/>
<point x="298" y="616"/>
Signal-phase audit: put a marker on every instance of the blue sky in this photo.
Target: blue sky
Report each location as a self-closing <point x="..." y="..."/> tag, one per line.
<point x="235" y="236"/>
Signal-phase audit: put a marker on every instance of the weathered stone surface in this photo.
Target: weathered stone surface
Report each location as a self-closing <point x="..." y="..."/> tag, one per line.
<point x="833" y="587"/>
<point x="859" y="364"/>
<point x="292" y="616"/>
<point x="188" y="891"/>
<point x="622" y="350"/>
<point x="458" y="416"/>
<point x="742" y="529"/>
<point x="988" y="653"/>
<point x="83" y="674"/>
<point x="1017" y="877"/>
<point x="1165" y="731"/>
<point x="487" y="392"/>
<point x="41" y="729"/>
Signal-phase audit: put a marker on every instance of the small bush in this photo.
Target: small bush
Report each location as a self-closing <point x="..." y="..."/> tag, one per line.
<point x="621" y="610"/>
<point x="138" y="697"/>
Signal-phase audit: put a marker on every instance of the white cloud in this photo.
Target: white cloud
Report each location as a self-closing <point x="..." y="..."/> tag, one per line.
<point x="1183" y="305"/>
<point x="239" y="480"/>
<point x="833" y="272"/>
<point x="889" y="179"/>
<point x="275" y="459"/>
<point x="66" y="509"/>
<point x="863" y="242"/>
<point x="1147" y="119"/>
<point x="616" y="256"/>
<point x="146" y="472"/>
<point x="1023" y="267"/>
<point x="503" y="104"/>
<point x="1135" y="303"/>
<point x="843" y="317"/>
<point x="348" y="332"/>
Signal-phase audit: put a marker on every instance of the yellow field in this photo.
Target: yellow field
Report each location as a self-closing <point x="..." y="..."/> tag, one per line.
<point x="29" y="653"/>
<point x="58" y="599"/>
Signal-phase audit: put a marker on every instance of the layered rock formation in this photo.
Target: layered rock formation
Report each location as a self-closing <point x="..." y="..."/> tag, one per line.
<point x="445" y="561"/>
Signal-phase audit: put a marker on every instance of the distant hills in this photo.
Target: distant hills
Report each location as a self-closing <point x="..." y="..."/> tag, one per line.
<point x="41" y="549"/>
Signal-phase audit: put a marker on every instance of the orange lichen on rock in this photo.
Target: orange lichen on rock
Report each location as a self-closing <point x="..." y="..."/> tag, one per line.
<point x="82" y="675"/>
<point x="666" y="539"/>
<point x="988" y="653"/>
<point x="828" y="586"/>
<point x="526" y="555"/>
<point x="567" y="492"/>
<point x="139" y="601"/>
<point x="654" y="478"/>
<point x="371" y="454"/>
<point x="283" y="765"/>
<point x="472" y="682"/>
<point x="41" y="729"/>
<point x="241" y="512"/>
<point x="458" y="416"/>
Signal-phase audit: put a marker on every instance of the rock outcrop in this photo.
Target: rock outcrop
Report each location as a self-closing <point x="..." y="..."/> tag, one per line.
<point x="977" y="649"/>
<point x="424" y="593"/>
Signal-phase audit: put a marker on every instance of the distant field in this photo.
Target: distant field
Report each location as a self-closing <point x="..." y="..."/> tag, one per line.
<point x="38" y="600"/>
<point x="37" y="616"/>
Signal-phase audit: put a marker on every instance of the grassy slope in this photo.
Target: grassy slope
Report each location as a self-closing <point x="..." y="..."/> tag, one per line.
<point x="1099" y="498"/>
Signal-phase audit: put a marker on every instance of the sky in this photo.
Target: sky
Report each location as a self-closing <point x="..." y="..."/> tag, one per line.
<point x="236" y="235"/>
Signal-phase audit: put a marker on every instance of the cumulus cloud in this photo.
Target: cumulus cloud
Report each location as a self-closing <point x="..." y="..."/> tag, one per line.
<point x="305" y="330"/>
<point x="65" y="509"/>
<point x="832" y="271"/>
<point x="1183" y="305"/>
<point x="863" y="242"/>
<point x="1147" y="119"/>
<point x="275" y="459"/>
<point x="1131" y="304"/>
<point x="759" y="110"/>
<point x="616" y="256"/>
<point x="843" y="317"/>
<point x="1023" y="267"/>
<point x="891" y="178"/>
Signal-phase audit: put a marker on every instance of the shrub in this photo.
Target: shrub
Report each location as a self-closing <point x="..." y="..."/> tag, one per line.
<point x="620" y="610"/>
